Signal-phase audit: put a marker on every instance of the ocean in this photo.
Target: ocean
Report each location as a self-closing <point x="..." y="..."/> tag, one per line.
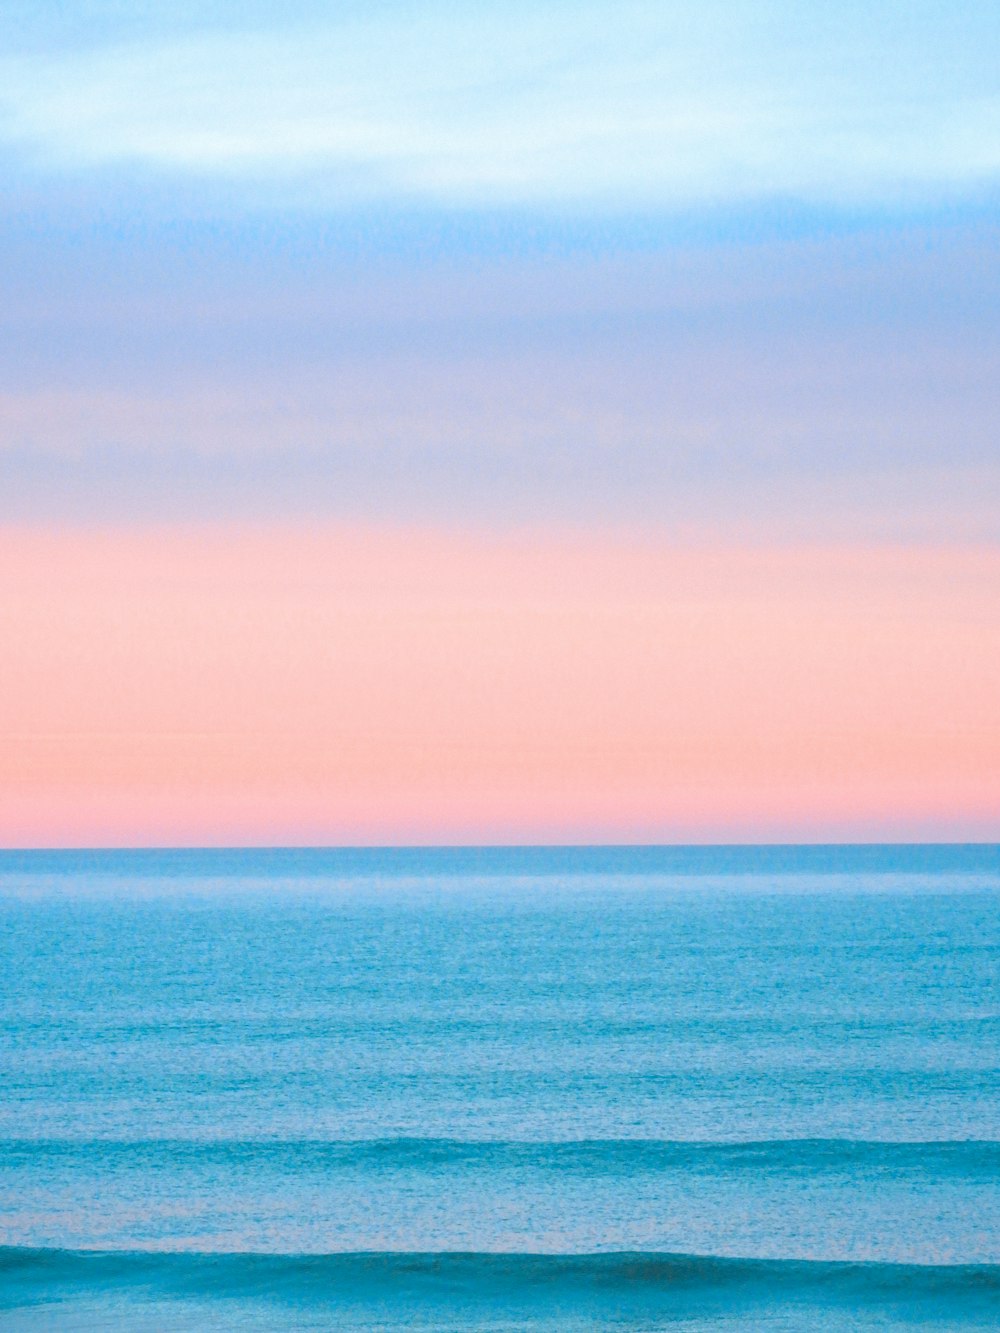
<point x="579" y="1088"/>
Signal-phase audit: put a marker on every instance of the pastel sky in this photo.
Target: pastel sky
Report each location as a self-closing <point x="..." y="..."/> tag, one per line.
<point x="539" y="422"/>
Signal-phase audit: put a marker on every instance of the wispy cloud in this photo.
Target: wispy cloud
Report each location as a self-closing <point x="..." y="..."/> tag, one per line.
<point x="623" y="106"/>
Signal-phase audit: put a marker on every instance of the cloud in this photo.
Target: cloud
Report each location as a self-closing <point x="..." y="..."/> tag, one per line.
<point x="638" y="105"/>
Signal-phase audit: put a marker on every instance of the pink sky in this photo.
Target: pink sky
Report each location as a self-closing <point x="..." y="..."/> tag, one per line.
<point x="356" y="684"/>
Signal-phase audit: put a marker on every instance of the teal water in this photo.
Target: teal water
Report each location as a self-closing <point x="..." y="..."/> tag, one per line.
<point x="582" y="1088"/>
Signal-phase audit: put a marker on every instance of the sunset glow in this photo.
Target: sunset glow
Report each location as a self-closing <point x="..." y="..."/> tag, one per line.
<point x="268" y="684"/>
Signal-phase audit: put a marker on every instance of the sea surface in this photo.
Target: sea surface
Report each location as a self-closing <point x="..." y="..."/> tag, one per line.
<point x="605" y="1088"/>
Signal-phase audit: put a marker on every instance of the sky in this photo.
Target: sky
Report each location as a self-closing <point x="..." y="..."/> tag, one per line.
<point x="458" y="423"/>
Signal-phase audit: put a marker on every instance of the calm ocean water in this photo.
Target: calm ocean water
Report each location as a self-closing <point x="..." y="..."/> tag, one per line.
<point x="591" y="1088"/>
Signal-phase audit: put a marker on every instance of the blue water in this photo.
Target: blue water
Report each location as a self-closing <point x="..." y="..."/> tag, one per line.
<point x="591" y="1088"/>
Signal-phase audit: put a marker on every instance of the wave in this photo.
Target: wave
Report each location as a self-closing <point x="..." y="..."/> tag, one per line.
<point x="536" y="1281"/>
<point x="969" y="1157"/>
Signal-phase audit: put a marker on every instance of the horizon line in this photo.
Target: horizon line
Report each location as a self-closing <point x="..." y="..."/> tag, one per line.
<point x="510" y="859"/>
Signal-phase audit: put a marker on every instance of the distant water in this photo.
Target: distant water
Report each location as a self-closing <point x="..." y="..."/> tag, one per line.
<point x="703" y="1088"/>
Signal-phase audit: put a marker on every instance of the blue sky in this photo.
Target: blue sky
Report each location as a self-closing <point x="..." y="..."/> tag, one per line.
<point x="536" y="422"/>
<point x="729" y="266"/>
